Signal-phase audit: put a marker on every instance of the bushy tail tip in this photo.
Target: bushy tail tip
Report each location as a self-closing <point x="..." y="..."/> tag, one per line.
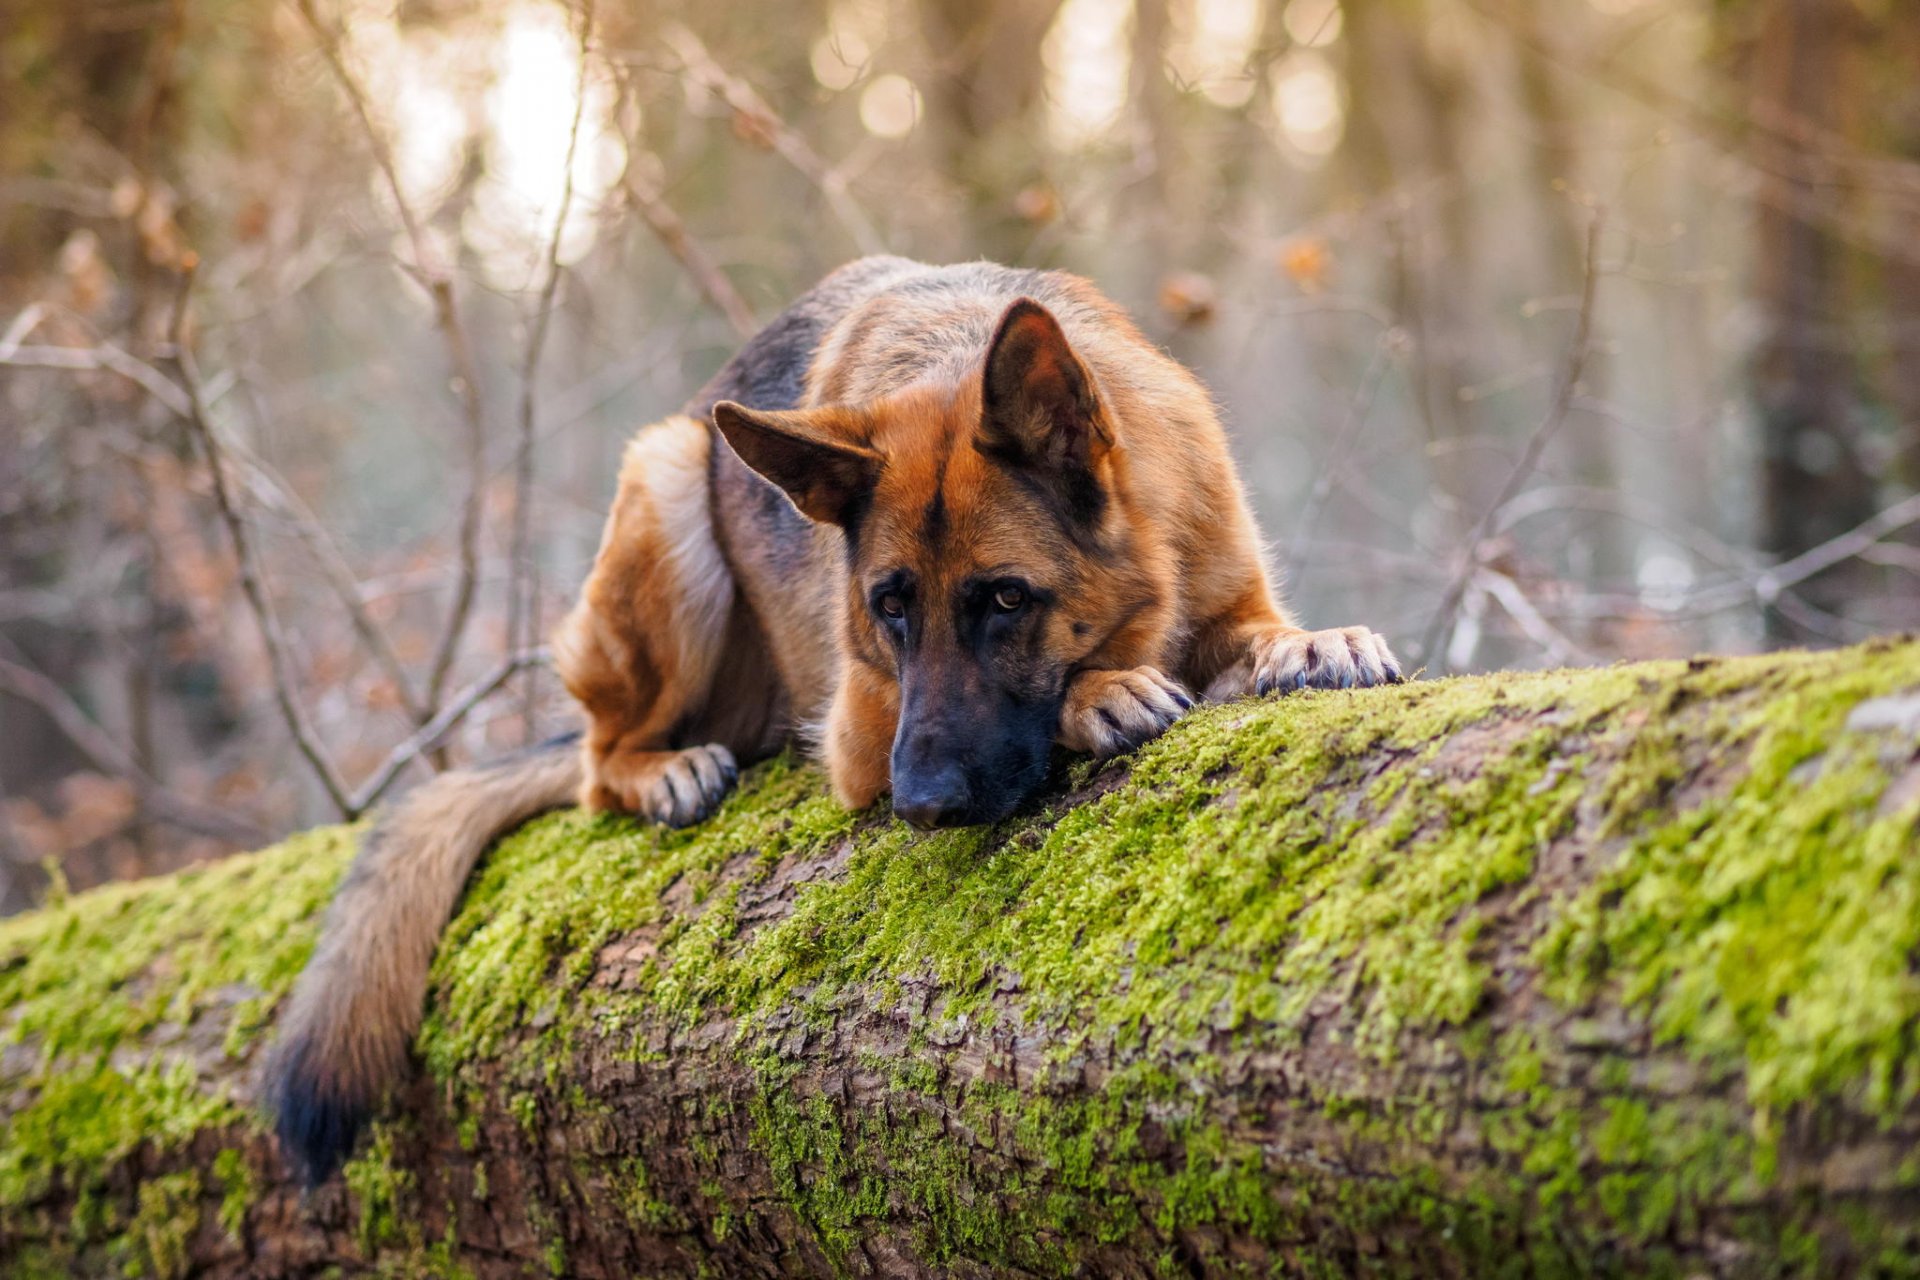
<point x="346" y="1029"/>
<point x="317" y="1124"/>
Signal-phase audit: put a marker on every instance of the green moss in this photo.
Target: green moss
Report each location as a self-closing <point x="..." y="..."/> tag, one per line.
<point x="40" y="1262"/>
<point x="1378" y="866"/>
<point x="556" y="892"/>
<point x="436" y="1261"/>
<point x="553" y="1246"/>
<point x="169" y="1214"/>
<point x="1261" y="858"/>
<point x="121" y="962"/>
<point x="81" y="1122"/>
<point x="804" y="1144"/>
<point x="1771" y="926"/>
<point x="382" y="1194"/>
<point x="634" y="1193"/>
<point x="99" y="988"/>
<point x="239" y="1190"/>
<point x="468" y="1131"/>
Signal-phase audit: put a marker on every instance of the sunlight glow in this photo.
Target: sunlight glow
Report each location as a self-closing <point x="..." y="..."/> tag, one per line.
<point x="416" y="85"/>
<point x="839" y="60"/>
<point x="1664" y="579"/>
<point x="1087" y="57"/>
<point x="1314" y="24"/>
<point x="890" y="106"/>
<point x="1309" y="106"/>
<point x="529" y="112"/>
<point x="842" y="57"/>
<point x="1211" y="43"/>
<point x="506" y="83"/>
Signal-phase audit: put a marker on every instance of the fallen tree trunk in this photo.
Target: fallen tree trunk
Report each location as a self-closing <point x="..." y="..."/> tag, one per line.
<point x="1600" y="972"/>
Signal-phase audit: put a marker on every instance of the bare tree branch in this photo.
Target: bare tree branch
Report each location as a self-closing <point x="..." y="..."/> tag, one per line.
<point x="273" y="491"/>
<point x="746" y="103"/>
<point x="102" y="355"/>
<point x="270" y="488"/>
<point x="432" y="729"/>
<point x="304" y="736"/>
<point x="1350" y="428"/>
<point x="1508" y="594"/>
<point x="429" y="735"/>
<point x="1576" y="362"/>
<point x="23" y="325"/>
<point x="1744" y="580"/>
<point x="651" y="205"/>
<point x="523" y="590"/>
<point x="427" y="269"/>
<point x="109" y="757"/>
<point x="1768" y="586"/>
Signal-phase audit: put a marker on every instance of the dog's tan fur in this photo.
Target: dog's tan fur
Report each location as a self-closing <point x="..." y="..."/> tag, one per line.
<point x="952" y="425"/>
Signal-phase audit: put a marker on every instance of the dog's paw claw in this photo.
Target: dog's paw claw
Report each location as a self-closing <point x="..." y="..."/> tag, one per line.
<point x="1286" y="661"/>
<point x="1343" y="658"/>
<point x="1108" y="712"/>
<point x="674" y="788"/>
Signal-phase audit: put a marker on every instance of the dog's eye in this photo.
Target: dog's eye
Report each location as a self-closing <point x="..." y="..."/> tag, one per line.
<point x="1007" y="599"/>
<point x="892" y="606"/>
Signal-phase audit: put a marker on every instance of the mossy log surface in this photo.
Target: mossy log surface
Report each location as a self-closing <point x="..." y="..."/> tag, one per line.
<point x="1610" y="972"/>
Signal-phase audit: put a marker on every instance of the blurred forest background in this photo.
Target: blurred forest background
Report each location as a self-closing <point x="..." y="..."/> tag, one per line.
<point x="1550" y="331"/>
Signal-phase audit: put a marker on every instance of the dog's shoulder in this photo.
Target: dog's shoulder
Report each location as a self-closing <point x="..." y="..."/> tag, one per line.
<point x="770" y="371"/>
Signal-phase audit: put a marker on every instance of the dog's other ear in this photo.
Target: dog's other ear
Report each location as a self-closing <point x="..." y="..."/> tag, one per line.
<point x="1038" y="403"/>
<point x="808" y="454"/>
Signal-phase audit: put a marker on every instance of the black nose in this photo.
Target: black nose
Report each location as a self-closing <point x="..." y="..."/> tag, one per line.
<point x="933" y="797"/>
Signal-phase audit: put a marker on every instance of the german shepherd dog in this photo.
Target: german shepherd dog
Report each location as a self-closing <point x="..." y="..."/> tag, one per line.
<point x="933" y="520"/>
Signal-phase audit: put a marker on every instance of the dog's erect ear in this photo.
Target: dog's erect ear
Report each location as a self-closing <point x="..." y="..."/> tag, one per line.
<point x="806" y="453"/>
<point x="1038" y="403"/>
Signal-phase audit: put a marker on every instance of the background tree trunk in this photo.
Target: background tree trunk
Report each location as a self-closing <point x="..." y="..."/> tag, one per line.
<point x="1599" y="972"/>
<point x="1814" y="482"/>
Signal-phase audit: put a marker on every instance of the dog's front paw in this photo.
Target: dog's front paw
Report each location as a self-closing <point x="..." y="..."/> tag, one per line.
<point x="1107" y="712"/>
<point x="1343" y="658"/>
<point x="677" y="788"/>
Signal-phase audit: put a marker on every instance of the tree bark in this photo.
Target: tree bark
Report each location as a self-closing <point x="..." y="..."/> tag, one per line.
<point x="1606" y="972"/>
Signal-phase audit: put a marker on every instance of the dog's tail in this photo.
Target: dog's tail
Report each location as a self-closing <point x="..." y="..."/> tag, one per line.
<point x="345" y="1031"/>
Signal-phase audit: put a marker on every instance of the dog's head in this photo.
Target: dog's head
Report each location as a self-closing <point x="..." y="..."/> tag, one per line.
<point x="987" y="555"/>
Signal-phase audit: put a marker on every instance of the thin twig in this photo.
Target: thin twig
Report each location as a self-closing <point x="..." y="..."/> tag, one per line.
<point x="1744" y="580"/>
<point x="428" y="735"/>
<point x="426" y="738"/>
<point x="523" y="604"/>
<point x="275" y="492"/>
<point x="304" y="736"/>
<point x="305" y="524"/>
<point x="329" y="44"/>
<point x="102" y="356"/>
<point x="1576" y="362"/>
<point x="1561" y="499"/>
<point x="1770" y="584"/>
<point x="787" y="143"/>
<point x="23" y="324"/>
<point x="468" y="543"/>
<point x="1357" y="409"/>
<point x="651" y="205"/>
<point x="426" y="269"/>
<point x="109" y="757"/>
<point x="1893" y="555"/>
<point x="1774" y="586"/>
<point x="1508" y="594"/>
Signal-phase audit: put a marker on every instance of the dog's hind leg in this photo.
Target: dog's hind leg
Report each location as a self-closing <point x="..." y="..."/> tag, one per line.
<point x="641" y="649"/>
